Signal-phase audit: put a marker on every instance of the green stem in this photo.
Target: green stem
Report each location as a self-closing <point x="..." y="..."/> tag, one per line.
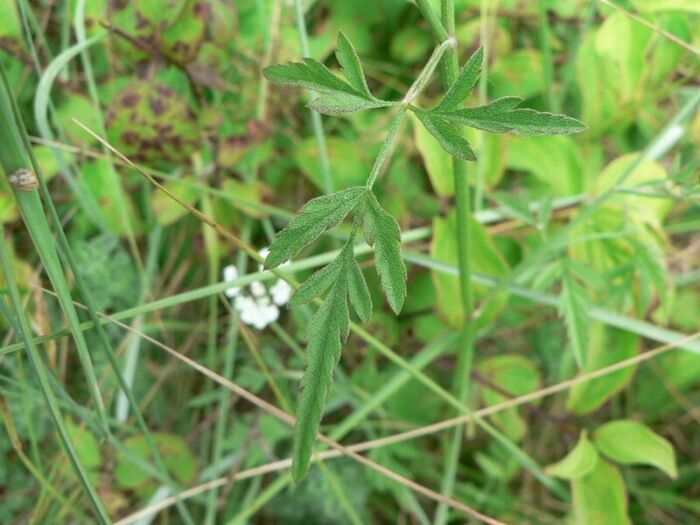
<point x="316" y="122"/>
<point x="465" y="355"/>
<point x="387" y="147"/>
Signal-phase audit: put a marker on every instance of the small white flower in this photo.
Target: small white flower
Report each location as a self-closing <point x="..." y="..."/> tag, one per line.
<point x="258" y="289"/>
<point x="260" y="307"/>
<point x="230" y="274"/>
<point x="281" y="292"/>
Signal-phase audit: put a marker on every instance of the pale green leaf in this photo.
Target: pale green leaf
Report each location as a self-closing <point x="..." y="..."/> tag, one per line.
<point x="86" y="446"/>
<point x="339" y="103"/>
<point x="352" y="68"/>
<point x="580" y="461"/>
<point x="630" y="442"/>
<point x="309" y="74"/>
<point x="606" y="346"/>
<point x="437" y="163"/>
<point x="484" y="258"/>
<point x="574" y="304"/>
<point x="600" y="497"/>
<point x="382" y="231"/>
<point x="359" y="292"/>
<point x="462" y="87"/>
<point x="447" y="135"/>
<point x="500" y="117"/>
<point x="314" y="218"/>
<point x="514" y="374"/>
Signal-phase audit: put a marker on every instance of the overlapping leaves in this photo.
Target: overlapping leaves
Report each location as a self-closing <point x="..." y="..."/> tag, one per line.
<point x="500" y="116"/>
<point x="341" y="281"/>
<point x="338" y="96"/>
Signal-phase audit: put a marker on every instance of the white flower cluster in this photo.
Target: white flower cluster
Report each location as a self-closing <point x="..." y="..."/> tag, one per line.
<point x="261" y="307"/>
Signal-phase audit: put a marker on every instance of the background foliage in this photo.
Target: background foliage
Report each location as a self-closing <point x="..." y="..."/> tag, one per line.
<point x="583" y="247"/>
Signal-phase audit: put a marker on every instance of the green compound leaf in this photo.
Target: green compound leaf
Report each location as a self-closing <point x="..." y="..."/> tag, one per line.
<point x="500" y="116"/>
<point x="350" y="63"/>
<point x="359" y="292"/>
<point x="338" y="103"/>
<point x="447" y="135"/>
<point x="339" y="96"/>
<point x="630" y="442"/>
<point x="316" y="285"/>
<point x="314" y="218"/>
<point x="328" y="328"/>
<point x="310" y="74"/>
<point x="581" y="460"/>
<point x="462" y="87"/>
<point x="382" y="231"/>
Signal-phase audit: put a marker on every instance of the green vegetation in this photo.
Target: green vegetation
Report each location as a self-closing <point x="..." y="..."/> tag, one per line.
<point x="349" y="262"/>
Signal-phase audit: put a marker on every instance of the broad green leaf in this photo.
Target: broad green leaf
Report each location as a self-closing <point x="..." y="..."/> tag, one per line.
<point x="118" y="210"/>
<point x="178" y="459"/>
<point x="350" y="63"/>
<point x="382" y="231"/>
<point x="149" y="122"/>
<point x="165" y="209"/>
<point x="86" y="446"/>
<point x="462" y="87"/>
<point x="447" y="135"/>
<point x="328" y="327"/>
<point x="510" y="373"/>
<point x="184" y="38"/>
<point x="339" y="103"/>
<point x="518" y="73"/>
<point x="579" y="462"/>
<point x="437" y="162"/>
<point x="632" y="443"/>
<point x="598" y="82"/>
<point x="81" y="108"/>
<point x="313" y="219"/>
<point x="606" y="346"/>
<point x="410" y="44"/>
<point x="309" y="74"/>
<point x="557" y="163"/>
<point x="625" y="42"/>
<point x="600" y="497"/>
<point x="500" y="117"/>
<point x="649" y="210"/>
<point x="349" y="163"/>
<point x="574" y="304"/>
<point x="11" y="26"/>
<point x="484" y="257"/>
<point x="359" y="292"/>
<point x="667" y="5"/>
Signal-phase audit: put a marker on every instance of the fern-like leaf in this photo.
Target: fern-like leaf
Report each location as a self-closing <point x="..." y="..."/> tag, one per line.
<point x="382" y="231"/>
<point x="328" y="328"/>
<point x="463" y="86"/>
<point x="573" y="306"/>
<point x="314" y="218"/>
